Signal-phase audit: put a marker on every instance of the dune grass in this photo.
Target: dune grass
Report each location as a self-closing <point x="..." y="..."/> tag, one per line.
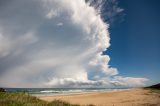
<point x="154" y="88"/>
<point x="22" y="99"/>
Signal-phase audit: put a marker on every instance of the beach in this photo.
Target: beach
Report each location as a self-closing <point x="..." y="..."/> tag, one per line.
<point x="133" y="97"/>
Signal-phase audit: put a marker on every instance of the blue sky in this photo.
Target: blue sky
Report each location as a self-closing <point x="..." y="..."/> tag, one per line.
<point x="135" y="41"/>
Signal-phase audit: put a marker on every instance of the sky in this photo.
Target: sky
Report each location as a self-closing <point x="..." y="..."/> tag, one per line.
<point x="135" y="40"/>
<point x="78" y="43"/>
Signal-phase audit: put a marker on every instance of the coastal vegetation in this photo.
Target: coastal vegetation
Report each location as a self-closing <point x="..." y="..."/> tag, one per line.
<point x="154" y="88"/>
<point x="22" y="99"/>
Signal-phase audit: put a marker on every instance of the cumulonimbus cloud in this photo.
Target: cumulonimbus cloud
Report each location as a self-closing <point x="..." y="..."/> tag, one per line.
<point x="55" y="43"/>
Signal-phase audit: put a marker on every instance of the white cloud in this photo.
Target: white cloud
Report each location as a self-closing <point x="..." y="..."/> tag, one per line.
<point x="70" y="82"/>
<point x="109" y="9"/>
<point x="52" y="14"/>
<point x="120" y="81"/>
<point x="34" y="52"/>
<point x="60" y="24"/>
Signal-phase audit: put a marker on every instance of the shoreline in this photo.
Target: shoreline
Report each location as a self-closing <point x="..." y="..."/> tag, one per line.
<point x="78" y="93"/>
<point x="132" y="97"/>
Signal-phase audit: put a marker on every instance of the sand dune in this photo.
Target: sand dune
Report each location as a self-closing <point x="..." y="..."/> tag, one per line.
<point x="134" y="97"/>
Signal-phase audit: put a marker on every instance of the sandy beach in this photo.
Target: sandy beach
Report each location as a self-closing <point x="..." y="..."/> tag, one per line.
<point x="133" y="97"/>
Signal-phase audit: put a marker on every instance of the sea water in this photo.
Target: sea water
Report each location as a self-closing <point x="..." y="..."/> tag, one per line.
<point x="59" y="91"/>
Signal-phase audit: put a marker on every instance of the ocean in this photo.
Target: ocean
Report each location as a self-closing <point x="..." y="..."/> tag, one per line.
<point x="59" y="91"/>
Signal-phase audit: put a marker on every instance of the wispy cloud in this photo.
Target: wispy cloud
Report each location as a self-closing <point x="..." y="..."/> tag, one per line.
<point x="110" y="10"/>
<point x="59" y="24"/>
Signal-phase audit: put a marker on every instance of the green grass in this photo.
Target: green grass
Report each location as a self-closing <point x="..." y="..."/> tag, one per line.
<point x="22" y="99"/>
<point x="153" y="90"/>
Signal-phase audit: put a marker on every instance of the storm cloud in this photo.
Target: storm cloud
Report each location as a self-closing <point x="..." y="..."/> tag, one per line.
<point x="55" y="43"/>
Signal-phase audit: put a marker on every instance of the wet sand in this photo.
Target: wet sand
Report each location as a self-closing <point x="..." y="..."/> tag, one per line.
<point x="133" y="97"/>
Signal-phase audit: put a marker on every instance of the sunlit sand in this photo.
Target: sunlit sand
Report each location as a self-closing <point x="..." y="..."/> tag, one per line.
<point x="134" y="97"/>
